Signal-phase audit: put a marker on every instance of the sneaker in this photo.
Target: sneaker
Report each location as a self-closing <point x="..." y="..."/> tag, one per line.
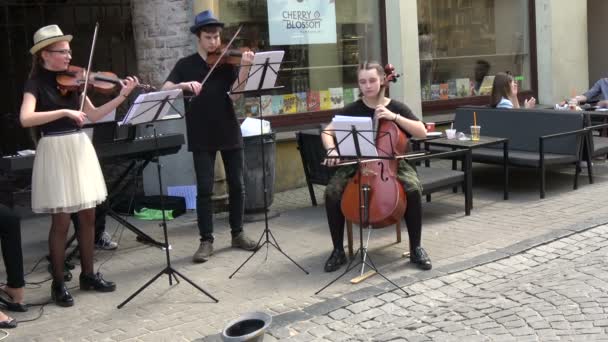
<point x="243" y="242"/>
<point x="204" y="251"/>
<point x="105" y="242"/>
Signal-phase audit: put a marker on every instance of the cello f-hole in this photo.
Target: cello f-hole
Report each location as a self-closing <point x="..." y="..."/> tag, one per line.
<point x="382" y="176"/>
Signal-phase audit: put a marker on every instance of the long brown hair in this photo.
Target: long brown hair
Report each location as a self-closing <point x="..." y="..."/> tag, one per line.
<point x="37" y="62"/>
<point x="372" y="65"/>
<point x="501" y="88"/>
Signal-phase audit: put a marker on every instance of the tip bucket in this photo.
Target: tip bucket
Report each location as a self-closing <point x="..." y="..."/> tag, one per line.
<point x="250" y="328"/>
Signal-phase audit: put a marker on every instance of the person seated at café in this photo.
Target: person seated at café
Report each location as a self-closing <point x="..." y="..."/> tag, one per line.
<point x="598" y="93"/>
<point x="504" y="93"/>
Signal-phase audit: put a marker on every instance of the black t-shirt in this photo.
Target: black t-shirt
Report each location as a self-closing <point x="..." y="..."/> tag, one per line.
<point x="211" y="122"/>
<point x="358" y="108"/>
<point x="48" y="97"/>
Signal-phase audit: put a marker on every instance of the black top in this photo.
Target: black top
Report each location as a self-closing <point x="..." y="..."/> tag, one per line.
<point x="210" y="118"/>
<point x="358" y="108"/>
<point x="48" y="97"/>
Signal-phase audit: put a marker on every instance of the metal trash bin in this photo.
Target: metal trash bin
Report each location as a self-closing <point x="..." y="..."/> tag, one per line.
<point x="255" y="170"/>
<point x="248" y="328"/>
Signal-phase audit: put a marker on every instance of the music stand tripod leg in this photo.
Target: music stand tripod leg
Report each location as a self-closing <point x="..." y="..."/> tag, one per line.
<point x="349" y="267"/>
<point x="168" y="269"/>
<point x="267" y="232"/>
<point x="373" y="266"/>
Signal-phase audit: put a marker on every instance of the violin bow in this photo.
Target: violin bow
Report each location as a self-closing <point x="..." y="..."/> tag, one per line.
<point x="86" y="75"/>
<point x="221" y="55"/>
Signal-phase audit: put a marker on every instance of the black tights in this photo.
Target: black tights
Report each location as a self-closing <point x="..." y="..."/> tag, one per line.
<point x="10" y="240"/>
<point x="413" y="219"/>
<point x="85" y="235"/>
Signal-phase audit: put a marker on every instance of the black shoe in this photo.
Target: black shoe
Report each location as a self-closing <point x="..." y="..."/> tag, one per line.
<point x="7" y="302"/>
<point x="336" y="259"/>
<point x="10" y="323"/>
<point x="95" y="282"/>
<point x="60" y="294"/>
<point x="419" y="257"/>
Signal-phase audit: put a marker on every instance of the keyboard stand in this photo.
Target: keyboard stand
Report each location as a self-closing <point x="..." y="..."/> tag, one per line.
<point x="118" y="187"/>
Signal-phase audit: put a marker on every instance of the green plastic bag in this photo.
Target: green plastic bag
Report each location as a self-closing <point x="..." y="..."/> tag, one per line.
<point x="153" y="214"/>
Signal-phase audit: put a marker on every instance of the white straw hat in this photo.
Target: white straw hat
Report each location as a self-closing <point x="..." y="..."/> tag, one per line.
<point x="48" y="35"/>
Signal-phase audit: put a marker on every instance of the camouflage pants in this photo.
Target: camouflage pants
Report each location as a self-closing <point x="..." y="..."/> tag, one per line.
<point x="406" y="174"/>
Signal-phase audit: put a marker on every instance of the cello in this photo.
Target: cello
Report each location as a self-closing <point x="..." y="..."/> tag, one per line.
<point x="374" y="196"/>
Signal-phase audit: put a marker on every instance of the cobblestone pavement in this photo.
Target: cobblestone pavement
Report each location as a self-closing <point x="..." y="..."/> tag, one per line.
<point x="269" y="282"/>
<point x="554" y="292"/>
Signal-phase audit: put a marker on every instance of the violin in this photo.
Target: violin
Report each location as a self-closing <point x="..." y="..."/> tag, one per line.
<point x="230" y="56"/>
<point x="104" y="82"/>
<point x="374" y="195"/>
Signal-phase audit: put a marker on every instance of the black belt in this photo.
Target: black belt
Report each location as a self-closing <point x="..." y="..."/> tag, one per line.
<point x="69" y="131"/>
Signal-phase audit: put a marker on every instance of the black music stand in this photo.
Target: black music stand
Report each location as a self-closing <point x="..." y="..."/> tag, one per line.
<point x="260" y="80"/>
<point x="352" y="137"/>
<point x="150" y="108"/>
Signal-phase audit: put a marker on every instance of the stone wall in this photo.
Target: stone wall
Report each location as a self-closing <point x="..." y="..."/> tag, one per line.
<point x="162" y="36"/>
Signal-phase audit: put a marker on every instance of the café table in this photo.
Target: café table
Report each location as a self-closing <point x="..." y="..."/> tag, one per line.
<point x="484" y="141"/>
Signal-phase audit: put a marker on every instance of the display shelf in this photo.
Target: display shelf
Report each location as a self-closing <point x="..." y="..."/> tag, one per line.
<point x="475" y="56"/>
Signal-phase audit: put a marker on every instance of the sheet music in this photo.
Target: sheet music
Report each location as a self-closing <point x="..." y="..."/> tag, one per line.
<point x="146" y="105"/>
<point x="365" y="135"/>
<point x="255" y="73"/>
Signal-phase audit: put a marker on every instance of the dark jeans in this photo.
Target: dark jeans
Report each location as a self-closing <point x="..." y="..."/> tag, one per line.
<point x="10" y="241"/>
<point x="204" y="162"/>
<point x="100" y="220"/>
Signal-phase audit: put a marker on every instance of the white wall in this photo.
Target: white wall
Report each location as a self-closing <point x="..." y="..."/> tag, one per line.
<point x="402" y="41"/>
<point x="562" y="52"/>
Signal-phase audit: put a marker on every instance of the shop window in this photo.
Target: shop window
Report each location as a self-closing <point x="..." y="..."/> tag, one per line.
<point x="317" y="78"/>
<point x="464" y="43"/>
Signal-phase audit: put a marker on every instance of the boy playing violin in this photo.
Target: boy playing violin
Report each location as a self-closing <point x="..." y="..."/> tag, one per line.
<point x="372" y="83"/>
<point x="212" y="126"/>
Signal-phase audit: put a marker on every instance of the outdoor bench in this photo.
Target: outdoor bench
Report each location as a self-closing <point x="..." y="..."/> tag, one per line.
<point x="538" y="138"/>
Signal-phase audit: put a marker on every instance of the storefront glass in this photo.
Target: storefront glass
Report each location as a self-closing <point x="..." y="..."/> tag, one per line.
<point x="319" y="76"/>
<point x="463" y="43"/>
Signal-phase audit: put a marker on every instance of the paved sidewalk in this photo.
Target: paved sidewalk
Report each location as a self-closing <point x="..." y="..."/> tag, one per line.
<point x="271" y="283"/>
<point x="554" y="292"/>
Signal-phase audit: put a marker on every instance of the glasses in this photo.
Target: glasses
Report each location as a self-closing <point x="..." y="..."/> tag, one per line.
<point x="63" y="52"/>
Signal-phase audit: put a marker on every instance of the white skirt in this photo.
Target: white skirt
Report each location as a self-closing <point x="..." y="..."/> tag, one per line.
<point x="66" y="177"/>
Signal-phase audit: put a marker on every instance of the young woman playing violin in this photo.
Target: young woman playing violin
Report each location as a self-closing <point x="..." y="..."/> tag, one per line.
<point x="373" y="103"/>
<point x="66" y="176"/>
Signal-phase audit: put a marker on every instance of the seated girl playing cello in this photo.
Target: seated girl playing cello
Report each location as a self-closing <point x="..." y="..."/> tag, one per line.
<point x="372" y="84"/>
